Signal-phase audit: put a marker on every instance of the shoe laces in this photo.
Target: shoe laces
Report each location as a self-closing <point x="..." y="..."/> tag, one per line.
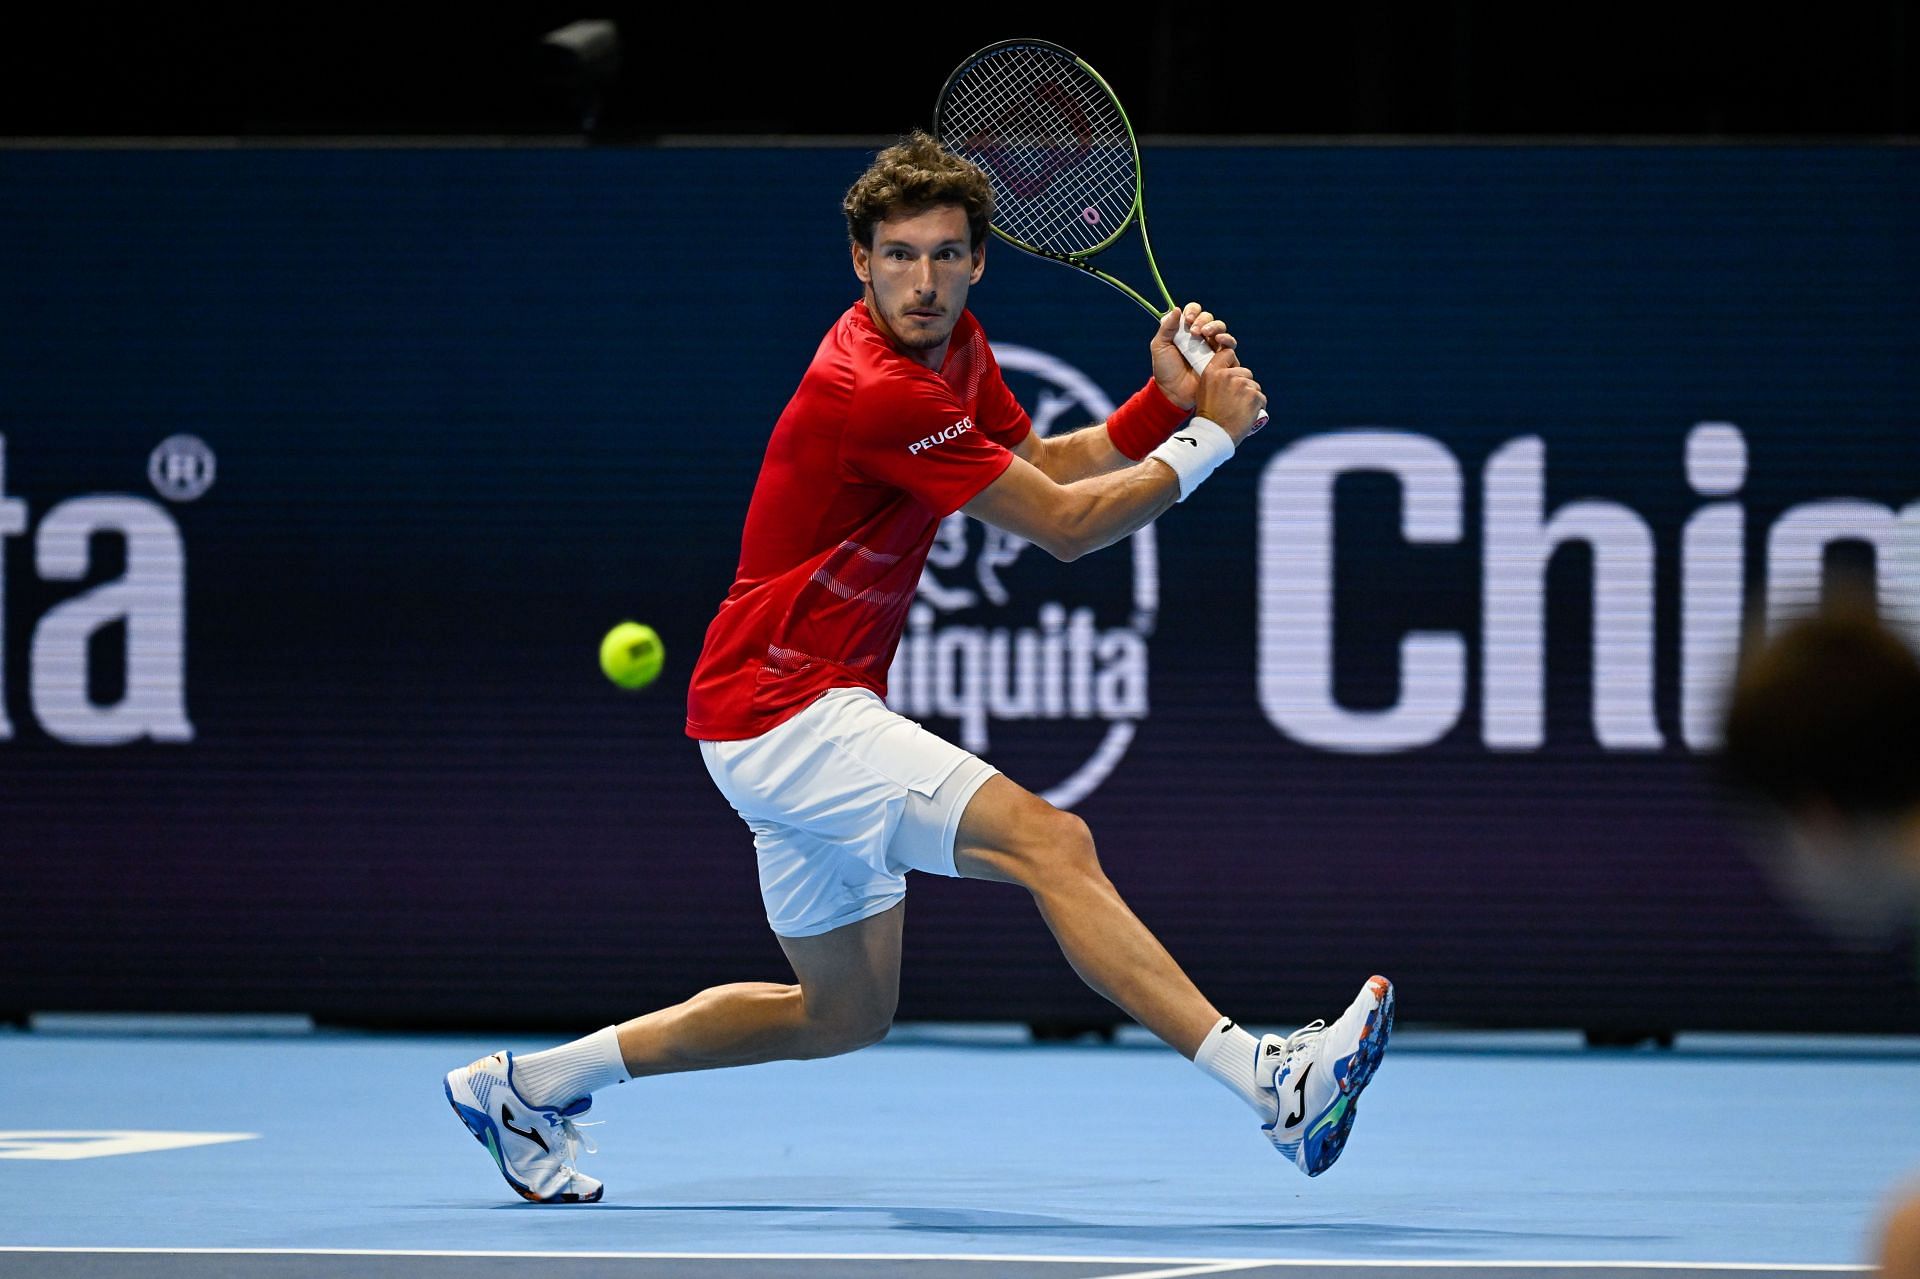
<point x="575" y="1139"/>
<point x="1303" y="1037"/>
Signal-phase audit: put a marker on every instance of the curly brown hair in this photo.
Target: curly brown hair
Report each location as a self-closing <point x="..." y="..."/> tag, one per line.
<point x="913" y="175"/>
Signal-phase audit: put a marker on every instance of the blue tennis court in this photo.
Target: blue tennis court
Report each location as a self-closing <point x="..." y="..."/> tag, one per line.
<point x="949" y="1151"/>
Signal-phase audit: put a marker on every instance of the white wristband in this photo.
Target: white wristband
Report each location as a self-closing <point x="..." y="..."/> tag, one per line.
<point x="1194" y="451"/>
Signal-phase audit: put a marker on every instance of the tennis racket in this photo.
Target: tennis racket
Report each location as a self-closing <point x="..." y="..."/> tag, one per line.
<point x="1057" y="147"/>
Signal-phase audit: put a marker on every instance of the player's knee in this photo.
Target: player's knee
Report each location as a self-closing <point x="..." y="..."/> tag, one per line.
<point x="846" y="1036"/>
<point x="849" y="1028"/>
<point x="871" y="1031"/>
<point x="1060" y="848"/>
<point x="1076" y="845"/>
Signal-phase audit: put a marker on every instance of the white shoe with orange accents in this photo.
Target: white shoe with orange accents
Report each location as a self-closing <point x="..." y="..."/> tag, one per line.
<point x="1317" y="1073"/>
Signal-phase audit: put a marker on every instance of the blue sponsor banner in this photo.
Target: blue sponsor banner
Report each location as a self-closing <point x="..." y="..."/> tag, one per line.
<point x="322" y="472"/>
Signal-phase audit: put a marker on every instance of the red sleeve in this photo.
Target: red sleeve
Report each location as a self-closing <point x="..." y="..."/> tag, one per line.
<point x="1001" y="416"/>
<point x="912" y="433"/>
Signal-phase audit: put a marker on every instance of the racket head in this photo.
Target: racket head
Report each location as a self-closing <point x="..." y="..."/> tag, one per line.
<point x="1054" y="142"/>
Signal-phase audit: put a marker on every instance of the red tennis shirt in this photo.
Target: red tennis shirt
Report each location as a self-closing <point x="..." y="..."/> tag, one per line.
<point x="872" y="452"/>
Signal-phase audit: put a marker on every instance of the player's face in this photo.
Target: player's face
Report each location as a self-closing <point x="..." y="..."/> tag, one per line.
<point x="917" y="275"/>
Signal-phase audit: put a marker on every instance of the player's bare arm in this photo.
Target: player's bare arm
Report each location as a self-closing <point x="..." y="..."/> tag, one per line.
<point x="1079" y="455"/>
<point x="1071" y="520"/>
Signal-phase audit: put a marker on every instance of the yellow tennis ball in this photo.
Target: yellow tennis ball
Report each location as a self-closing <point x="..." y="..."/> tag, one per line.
<point x="632" y="655"/>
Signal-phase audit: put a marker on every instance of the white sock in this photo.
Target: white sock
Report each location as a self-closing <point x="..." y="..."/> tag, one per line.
<point x="563" y="1075"/>
<point x="1232" y="1056"/>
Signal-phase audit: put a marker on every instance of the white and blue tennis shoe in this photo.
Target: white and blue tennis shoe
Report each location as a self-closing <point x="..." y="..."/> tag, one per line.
<point x="1317" y="1072"/>
<point x="534" y="1146"/>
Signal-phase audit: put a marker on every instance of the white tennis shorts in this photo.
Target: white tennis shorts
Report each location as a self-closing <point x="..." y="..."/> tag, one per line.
<point x="843" y="799"/>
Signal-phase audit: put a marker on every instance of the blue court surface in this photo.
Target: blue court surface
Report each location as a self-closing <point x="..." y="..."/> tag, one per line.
<point x="949" y="1151"/>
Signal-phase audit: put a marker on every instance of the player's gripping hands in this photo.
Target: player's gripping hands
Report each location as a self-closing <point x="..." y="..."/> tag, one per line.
<point x="1230" y="397"/>
<point x="1179" y="383"/>
<point x="1228" y="403"/>
<point x="1176" y="378"/>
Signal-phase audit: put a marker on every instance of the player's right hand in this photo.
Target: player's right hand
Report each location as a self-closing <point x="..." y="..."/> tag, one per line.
<point x="1230" y="396"/>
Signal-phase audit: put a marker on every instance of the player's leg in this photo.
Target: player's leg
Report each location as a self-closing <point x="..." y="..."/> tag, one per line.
<point x="1305" y="1086"/>
<point x="821" y="818"/>
<point x="848" y="984"/>
<point x="1013" y="836"/>
<point x="522" y="1107"/>
<point x="821" y="815"/>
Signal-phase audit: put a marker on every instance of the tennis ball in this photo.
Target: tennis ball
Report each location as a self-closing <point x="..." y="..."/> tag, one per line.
<point x="632" y="655"/>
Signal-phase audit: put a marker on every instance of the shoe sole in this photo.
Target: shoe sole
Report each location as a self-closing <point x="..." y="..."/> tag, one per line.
<point x="1319" y="1155"/>
<point x="481" y="1125"/>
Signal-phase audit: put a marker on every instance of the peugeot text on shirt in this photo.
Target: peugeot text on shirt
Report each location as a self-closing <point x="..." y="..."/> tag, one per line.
<point x="961" y="427"/>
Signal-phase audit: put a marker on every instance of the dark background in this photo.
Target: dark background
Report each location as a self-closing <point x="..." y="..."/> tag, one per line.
<point x="472" y="407"/>
<point x="1424" y="70"/>
<point x="452" y="452"/>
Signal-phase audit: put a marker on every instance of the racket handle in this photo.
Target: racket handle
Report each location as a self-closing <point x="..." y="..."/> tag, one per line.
<point x="1199" y="355"/>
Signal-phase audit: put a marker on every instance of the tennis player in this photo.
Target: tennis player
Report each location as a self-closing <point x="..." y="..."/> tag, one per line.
<point x="903" y="418"/>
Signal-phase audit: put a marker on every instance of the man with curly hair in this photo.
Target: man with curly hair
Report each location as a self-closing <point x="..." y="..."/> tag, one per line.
<point x="902" y="419"/>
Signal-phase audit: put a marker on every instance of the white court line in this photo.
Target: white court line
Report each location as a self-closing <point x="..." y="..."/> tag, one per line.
<point x="1182" y="1272"/>
<point x="66" y="1144"/>
<point x="1242" y="1263"/>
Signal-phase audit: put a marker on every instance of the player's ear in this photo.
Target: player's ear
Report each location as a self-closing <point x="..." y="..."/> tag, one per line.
<point x="862" y="257"/>
<point x="979" y="262"/>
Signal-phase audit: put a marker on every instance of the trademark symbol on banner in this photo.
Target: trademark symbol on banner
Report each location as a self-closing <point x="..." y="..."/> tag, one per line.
<point x="181" y="468"/>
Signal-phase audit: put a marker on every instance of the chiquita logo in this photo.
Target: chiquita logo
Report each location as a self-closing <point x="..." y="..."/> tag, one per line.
<point x="1509" y="552"/>
<point x="1038" y="666"/>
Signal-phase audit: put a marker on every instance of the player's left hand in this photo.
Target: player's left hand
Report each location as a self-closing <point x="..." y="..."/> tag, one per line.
<point x="1175" y="376"/>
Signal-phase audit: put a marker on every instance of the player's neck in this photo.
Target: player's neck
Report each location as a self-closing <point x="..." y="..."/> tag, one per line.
<point x="934" y="357"/>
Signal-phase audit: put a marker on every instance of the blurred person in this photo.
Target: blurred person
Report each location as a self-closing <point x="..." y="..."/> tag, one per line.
<point x="1823" y="729"/>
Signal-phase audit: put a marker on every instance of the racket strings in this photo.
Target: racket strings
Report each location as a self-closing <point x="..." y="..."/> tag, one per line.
<point x="1053" y="142"/>
<point x="1062" y="164"/>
